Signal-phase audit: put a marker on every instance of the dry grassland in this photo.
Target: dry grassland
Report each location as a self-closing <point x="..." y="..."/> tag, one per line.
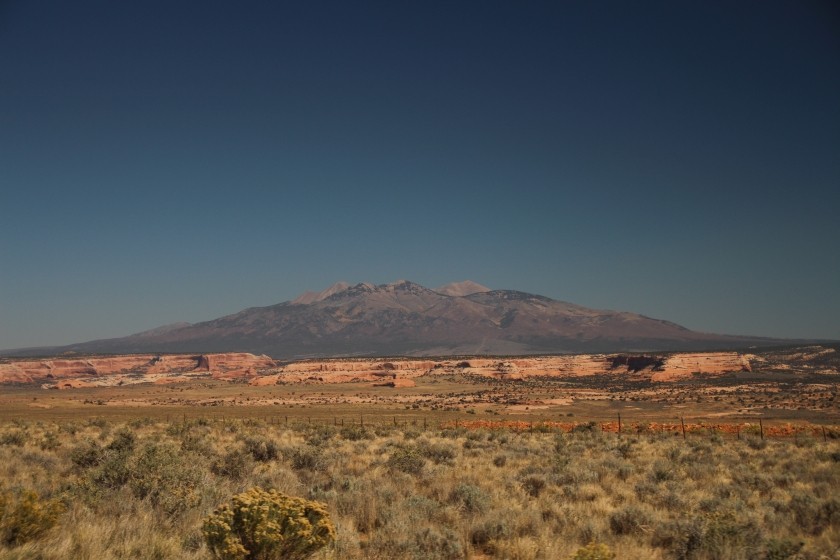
<point x="458" y="466"/>
<point x="141" y="489"/>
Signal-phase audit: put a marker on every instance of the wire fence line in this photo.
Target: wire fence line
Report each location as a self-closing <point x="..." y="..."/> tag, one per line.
<point x="619" y="427"/>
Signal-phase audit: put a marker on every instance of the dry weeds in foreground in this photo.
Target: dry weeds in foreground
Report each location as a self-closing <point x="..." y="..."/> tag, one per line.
<point x="142" y="490"/>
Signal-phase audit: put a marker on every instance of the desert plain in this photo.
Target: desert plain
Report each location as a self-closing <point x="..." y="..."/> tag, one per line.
<point x="637" y="455"/>
<point x="795" y="385"/>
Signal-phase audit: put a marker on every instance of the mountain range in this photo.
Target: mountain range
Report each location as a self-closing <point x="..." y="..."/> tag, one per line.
<point x="405" y="318"/>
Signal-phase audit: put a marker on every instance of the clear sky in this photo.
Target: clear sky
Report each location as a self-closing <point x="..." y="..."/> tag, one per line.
<point x="176" y="161"/>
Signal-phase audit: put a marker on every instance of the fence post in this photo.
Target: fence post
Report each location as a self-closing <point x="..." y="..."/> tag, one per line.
<point x="619" y="423"/>
<point x="761" y="428"/>
<point x="682" y="425"/>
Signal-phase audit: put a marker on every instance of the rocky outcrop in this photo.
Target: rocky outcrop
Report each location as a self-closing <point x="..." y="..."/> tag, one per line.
<point x="262" y="370"/>
<point x="682" y="366"/>
<point x="362" y="365"/>
<point x="233" y="363"/>
<point x="113" y="370"/>
<point x="394" y="383"/>
<point x="35" y="371"/>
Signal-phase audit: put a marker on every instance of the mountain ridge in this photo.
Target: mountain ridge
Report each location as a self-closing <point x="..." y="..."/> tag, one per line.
<point x="463" y="288"/>
<point x="406" y="318"/>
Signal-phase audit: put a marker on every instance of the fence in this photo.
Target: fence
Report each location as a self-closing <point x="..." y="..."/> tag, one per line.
<point x="618" y="427"/>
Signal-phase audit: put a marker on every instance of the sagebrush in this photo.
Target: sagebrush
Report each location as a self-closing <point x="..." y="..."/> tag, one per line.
<point x="143" y="490"/>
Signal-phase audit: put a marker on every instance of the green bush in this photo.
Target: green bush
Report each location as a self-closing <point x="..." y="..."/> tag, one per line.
<point x="812" y="514"/>
<point x="533" y="484"/>
<point x="440" y="453"/>
<point x="437" y="543"/>
<point x="123" y="441"/>
<point x="268" y="525"/>
<point x="353" y="432"/>
<point x="16" y="438"/>
<point x="593" y="551"/>
<point x="306" y="458"/>
<point x="167" y="478"/>
<point x="661" y="471"/>
<point x="199" y="444"/>
<point x="470" y="498"/>
<point x="69" y="428"/>
<point x="682" y="537"/>
<point x="261" y="449"/>
<point x="319" y="436"/>
<point x="483" y="536"/>
<point x="50" y="442"/>
<point x="97" y="422"/>
<point x="112" y="471"/>
<point x="756" y="443"/>
<point x="587" y="428"/>
<point x="407" y="459"/>
<point x="87" y="454"/>
<point x="783" y="549"/>
<point x="728" y="531"/>
<point x="628" y="520"/>
<point x="235" y="464"/>
<point x="26" y="517"/>
<point x="420" y="543"/>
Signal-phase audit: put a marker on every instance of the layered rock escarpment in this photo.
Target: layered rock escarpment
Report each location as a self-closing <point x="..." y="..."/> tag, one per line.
<point x="117" y="370"/>
<point x="262" y="370"/>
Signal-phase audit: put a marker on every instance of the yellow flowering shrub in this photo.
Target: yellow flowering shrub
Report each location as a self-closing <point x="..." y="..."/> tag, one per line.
<point x="267" y="525"/>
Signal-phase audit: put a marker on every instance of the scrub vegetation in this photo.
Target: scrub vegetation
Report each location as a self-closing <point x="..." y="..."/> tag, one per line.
<point x="147" y="489"/>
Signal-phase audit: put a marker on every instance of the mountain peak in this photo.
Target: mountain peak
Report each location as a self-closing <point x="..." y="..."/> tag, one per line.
<point x="404" y="318"/>
<point x="460" y="289"/>
<point x="403" y="285"/>
<point x="311" y="297"/>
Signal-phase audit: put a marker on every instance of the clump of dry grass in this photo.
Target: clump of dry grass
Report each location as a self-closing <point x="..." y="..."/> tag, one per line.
<point x="143" y="489"/>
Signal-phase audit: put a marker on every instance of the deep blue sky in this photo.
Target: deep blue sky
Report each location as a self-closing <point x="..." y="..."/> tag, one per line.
<point x="177" y="161"/>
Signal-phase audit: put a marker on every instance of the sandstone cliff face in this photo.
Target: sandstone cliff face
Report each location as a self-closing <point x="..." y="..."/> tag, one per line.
<point x="262" y="370"/>
<point x="104" y="371"/>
